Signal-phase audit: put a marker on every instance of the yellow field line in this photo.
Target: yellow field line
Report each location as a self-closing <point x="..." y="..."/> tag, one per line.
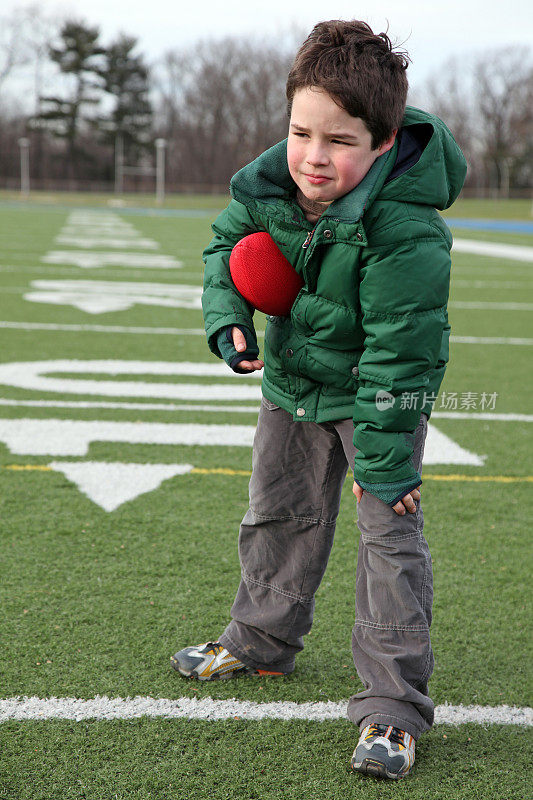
<point x="481" y="478"/>
<point x="27" y="467"/>
<point x="219" y="471"/>
<point x="247" y="473"/>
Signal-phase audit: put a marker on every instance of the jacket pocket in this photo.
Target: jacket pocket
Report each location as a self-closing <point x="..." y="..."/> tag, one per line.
<point x="268" y="404"/>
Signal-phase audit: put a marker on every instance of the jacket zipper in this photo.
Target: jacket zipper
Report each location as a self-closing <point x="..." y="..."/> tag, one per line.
<point x="308" y="238"/>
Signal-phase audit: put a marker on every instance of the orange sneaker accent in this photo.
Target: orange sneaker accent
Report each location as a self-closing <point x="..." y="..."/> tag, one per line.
<point x="268" y="672"/>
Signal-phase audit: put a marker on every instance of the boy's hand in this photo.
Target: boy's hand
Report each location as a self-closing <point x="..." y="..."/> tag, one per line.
<point x="407" y="502"/>
<point x="239" y="343"/>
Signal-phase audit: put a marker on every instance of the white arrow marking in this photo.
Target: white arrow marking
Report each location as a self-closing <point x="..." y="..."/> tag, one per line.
<point x="440" y="449"/>
<point x="110" y="484"/>
<point x="87" y="241"/>
<point x="95" y="260"/>
<point x="94" y="217"/>
<point x="118" y="230"/>
<point x="92" y="304"/>
<point x="98" y="297"/>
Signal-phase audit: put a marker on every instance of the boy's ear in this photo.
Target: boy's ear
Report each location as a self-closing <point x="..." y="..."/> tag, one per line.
<point x="386" y="146"/>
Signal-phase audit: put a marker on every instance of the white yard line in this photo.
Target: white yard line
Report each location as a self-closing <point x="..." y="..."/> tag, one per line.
<point x="459" y="283"/>
<point x="128" y="406"/>
<point x="491" y="306"/>
<point x="102" y="707"/>
<point x="52" y="326"/>
<point x="482" y="415"/>
<point x="46" y="326"/>
<point x="515" y="252"/>
<point x="471" y="270"/>
<point x="512" y="340"/>
<point x="253" y="409"/>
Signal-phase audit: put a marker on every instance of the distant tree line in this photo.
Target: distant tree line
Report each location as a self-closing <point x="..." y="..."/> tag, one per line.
<point x="488" y="104"/>
<point x="218" y="104"/>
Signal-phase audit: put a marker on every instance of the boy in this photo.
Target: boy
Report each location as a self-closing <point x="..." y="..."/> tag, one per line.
<point x="350" y="377"/>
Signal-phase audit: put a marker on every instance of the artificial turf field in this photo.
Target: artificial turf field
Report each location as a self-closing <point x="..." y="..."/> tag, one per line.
<point x="95" y="599"/>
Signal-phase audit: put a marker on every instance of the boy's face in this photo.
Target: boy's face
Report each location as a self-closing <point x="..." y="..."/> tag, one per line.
<point x="329" y="152"/>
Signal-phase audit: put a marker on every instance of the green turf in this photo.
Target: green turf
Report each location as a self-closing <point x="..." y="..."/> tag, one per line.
<point x="96" y="602"/>
<point x="236" y="760"/>
<point x="514" y="209"/>
<point x="119" y="592"/>
<point x="111" y="202"/>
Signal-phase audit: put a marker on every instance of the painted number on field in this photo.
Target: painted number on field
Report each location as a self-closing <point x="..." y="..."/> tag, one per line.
<point x="71" y="437"/>
<point x="100" y="297"/>
<point x="46" y="376"/>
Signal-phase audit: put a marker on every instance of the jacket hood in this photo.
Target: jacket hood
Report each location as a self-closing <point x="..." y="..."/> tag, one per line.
<point x="435" y="178"/>
<point x="438" y="175"/>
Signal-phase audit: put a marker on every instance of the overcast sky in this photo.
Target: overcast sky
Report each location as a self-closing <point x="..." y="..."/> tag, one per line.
<point x="430" y="31"/>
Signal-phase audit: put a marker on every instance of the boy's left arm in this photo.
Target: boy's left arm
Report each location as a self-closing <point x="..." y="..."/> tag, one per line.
<point x="403" y="295"/>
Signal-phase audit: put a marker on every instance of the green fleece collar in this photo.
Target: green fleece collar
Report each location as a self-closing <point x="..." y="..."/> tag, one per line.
<point x="266" y="183"/>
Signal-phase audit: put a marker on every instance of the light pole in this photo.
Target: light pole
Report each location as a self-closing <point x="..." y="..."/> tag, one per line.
<point x="160" y="145"/>
<point x="24" y="145"/>
<point x="119" y="164"/>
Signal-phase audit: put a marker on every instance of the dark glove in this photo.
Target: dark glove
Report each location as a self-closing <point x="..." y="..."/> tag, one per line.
<point x="390" y="493"/>
<point x="227" y="349"/>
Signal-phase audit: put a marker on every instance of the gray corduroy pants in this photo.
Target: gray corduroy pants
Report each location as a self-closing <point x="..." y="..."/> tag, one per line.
<point x="284" y="544"/>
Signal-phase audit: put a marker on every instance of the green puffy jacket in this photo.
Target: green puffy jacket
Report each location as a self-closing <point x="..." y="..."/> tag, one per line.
<point x="368" y="333"/>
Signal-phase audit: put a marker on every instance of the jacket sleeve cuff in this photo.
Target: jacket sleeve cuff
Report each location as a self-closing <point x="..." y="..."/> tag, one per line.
<point x="390" y="493"/>
<point x="228" y="352"/>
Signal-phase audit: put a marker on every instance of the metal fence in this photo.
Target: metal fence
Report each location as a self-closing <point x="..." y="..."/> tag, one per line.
<point x="142" y="184"/>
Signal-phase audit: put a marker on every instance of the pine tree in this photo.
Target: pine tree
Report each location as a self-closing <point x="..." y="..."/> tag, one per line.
<point x="125" y="78"/>
<point x="78" y="55"/>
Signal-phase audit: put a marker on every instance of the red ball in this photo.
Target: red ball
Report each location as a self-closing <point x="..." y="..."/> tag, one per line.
<point x="263" y="276"/>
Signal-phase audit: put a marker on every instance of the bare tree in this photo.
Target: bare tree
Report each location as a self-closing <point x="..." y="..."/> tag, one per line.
<point x="223" y="103"/>
<point x="14" y="50"/>
<point x="40" y="30"/>
<point x="504" y="95"/>
<point x="488" y="104"/>
<point x="449" y="95"/>
<point x="25" y="36"/>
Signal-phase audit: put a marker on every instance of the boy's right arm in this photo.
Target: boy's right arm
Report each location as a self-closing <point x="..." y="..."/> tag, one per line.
<point x="222" y="304"/>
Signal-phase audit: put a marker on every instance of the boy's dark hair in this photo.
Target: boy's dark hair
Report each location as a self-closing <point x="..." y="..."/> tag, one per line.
<point x="359" y="69"/>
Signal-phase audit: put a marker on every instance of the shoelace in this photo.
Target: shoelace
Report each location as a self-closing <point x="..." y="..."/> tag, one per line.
<point x="214" y="647"/>
<point x="396" y="735"/>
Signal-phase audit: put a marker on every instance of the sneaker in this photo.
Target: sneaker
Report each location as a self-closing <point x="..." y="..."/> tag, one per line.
<point x="211" y="661"/>
<point x="384" y="752"/>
